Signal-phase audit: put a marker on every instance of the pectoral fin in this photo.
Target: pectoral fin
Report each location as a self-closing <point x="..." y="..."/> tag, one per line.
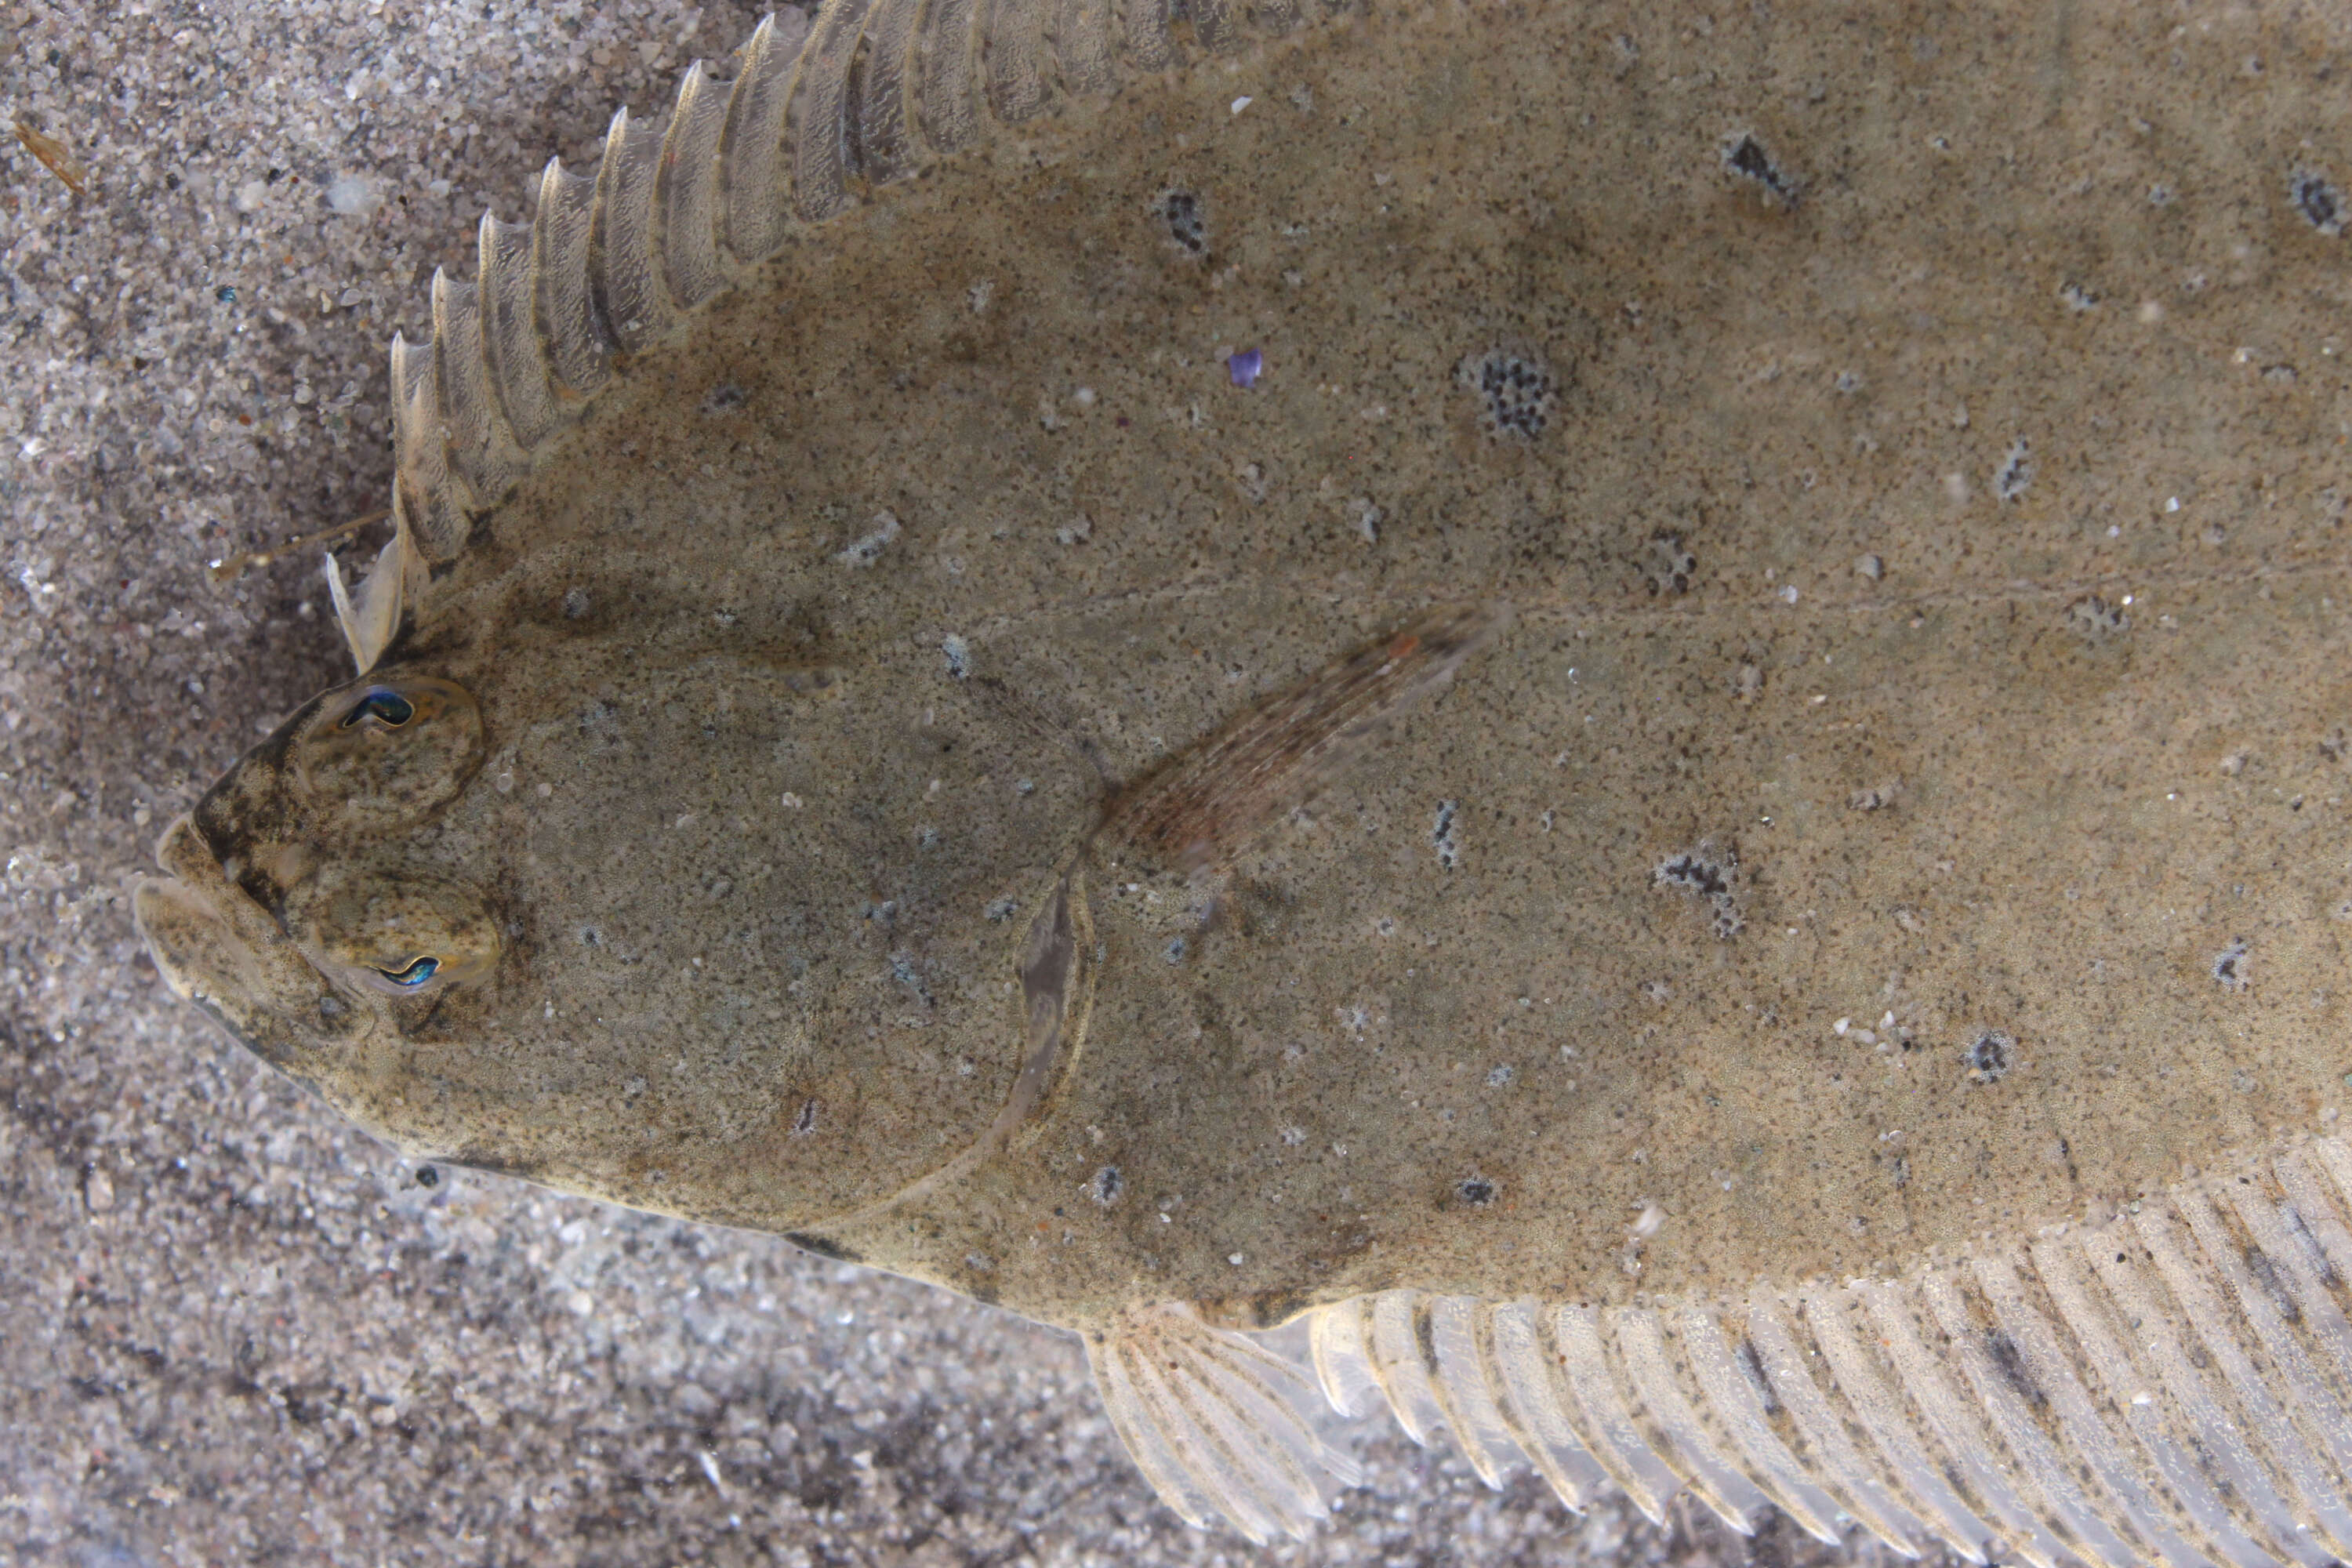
<point x="1209" y="802"/>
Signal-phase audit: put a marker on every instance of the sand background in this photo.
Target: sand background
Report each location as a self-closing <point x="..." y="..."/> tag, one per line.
<point x="232" y="1330"/>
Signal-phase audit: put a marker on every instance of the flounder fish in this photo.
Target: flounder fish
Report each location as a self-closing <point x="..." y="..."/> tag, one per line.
<point x="1639" y="714"/>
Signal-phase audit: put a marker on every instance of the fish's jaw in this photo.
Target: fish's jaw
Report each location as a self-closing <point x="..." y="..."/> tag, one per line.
<point x="216" y="947"/>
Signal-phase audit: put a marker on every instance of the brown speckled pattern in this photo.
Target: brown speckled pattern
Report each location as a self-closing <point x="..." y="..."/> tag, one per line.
<point x="1759" y="1043"/>
<point x="2078" y="809"/>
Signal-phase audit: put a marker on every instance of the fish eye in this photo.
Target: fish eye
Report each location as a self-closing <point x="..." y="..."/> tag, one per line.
<point x="384" y="754"/>
<point x="391" y="931"/>
<point x="415" y="975"/>
<point x="382" y="703"/>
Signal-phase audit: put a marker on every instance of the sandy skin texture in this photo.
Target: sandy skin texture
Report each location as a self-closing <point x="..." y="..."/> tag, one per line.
<point x="1747" y="511"/>
<point x="235" y="1329"/>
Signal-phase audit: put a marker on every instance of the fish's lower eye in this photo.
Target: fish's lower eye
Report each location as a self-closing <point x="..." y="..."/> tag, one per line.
<point x="415" y="975"/>
<point x="389" y="706"/>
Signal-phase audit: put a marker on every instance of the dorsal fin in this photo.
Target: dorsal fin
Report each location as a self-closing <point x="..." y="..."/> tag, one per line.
<point x="2172" y="1384"/>
<point x="682" y="205"/>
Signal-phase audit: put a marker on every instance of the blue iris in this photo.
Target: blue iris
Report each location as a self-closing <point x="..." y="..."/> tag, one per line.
<point x="381" y="703"/>
<point x="415" y="975"/>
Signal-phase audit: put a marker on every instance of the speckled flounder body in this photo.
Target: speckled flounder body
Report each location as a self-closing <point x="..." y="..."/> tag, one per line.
<point x="1647" y="711"/>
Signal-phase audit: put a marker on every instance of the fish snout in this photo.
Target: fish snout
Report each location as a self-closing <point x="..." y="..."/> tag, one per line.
<point x="218" y="949"/>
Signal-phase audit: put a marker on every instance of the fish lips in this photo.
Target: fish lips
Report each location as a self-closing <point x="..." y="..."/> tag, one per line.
<point x="216" y="947"/>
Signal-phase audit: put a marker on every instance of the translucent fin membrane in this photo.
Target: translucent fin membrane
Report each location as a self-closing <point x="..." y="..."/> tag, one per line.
<point x="812" y="113"/>
<point x="1217" y="1424"/>
<point x="368" y="623"/>
<point x="2172" y="1386"/>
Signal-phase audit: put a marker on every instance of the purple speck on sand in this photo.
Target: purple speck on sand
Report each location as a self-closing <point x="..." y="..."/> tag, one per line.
<point x="1244" y="366"/>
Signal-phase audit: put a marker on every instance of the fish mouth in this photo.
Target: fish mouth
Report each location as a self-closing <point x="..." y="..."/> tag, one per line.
<point x="222" y="951"/>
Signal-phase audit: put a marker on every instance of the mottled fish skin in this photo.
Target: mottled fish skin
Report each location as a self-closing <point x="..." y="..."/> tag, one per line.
<point x="1707" y="819"/>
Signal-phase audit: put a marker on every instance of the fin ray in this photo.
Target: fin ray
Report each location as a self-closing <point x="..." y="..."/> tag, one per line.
<point x="2172" y="1386"/>
<point x="688" y="194"/>
<point x="820" y="111"/>
<point x="1858" y="1486"/>
<point x="1214" y="1422"/>
<point x="1464" y="1389"/>
<point x="1641" y="1342"/>
<point x="1217" y="796"/>
<point x="1736" y="1404"/>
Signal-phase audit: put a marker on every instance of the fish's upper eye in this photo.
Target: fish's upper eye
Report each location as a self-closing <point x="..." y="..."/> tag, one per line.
<point x="387" y="753"/>
<point x="382" y="703"/>
<point x="415" y="975"/>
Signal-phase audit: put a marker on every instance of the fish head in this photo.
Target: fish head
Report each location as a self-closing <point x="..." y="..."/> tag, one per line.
<point x="727" y="938"/>
<point x="297" y="913"/>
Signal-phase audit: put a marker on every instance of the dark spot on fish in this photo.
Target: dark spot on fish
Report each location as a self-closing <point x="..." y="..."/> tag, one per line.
<point x="1670" y="566"/>
<point x="2319" y="202"/>
<point x="1752" y="1365"/>
<point x="804" y="1120"/>
<point x="1707" y="877"/>
<point x="2230" y="965"/>
<point x="2266" y="1273"/>
<point x="1988" y="1057"/>
<point x="1744" y="157"/>
<point x="2012" y="1361"/>
<point x="808" y="1241"/>
<point x="1187" y="225"/>
<point x="1272" y="1309"/>
<point x="1441" y="834"/>
<point x="2312" y="1250"/>
<point x="2095" y="619"/>
<point x="725" y="395"/>
<point x="1476" y="1191"/>
<point x="2016" y="471"/>
<point x="1107" y="1185"/>
<point x="1519" y="388"/>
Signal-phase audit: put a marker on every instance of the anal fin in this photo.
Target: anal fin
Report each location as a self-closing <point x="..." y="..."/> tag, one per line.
<point x="2162" y="1385"/>
<point x="1218" y="1423"/>
<point x="1217" y="796"/>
